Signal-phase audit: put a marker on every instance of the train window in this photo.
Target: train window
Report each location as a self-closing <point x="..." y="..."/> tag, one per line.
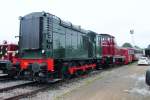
<point x="85" y="42"/>
<point x="99" y="39"/>
<point x="131" y="51"/>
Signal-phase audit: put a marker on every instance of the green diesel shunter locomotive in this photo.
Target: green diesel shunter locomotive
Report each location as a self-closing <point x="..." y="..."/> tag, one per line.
<point x="50" y="48"/>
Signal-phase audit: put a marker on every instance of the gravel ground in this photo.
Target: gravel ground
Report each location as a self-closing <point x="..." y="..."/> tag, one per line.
<point x="124" y="83"/>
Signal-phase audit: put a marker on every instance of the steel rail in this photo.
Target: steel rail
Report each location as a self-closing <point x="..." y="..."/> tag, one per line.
<point x="16" y="86"/>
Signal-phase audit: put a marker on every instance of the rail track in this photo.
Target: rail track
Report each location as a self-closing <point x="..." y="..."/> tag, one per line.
<point x="43" y="87"/>
<point x="16" y="86"/>
<point x="27" y="94"/>
<point x="23" y="85"/>
<point x="6" y="78"/>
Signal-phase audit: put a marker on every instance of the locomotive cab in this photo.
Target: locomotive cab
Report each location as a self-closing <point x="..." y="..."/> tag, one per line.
<point x="108" y="49"/>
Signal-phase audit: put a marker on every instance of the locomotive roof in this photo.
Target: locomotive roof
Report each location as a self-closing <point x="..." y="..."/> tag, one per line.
<point x="62" y="22"/>
<point x="35" y="14"/>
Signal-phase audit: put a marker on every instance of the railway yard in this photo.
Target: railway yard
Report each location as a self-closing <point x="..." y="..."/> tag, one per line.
<point x="59" y="58"/>
<point x="125" y="82"/>
<point x="93" y="54"/>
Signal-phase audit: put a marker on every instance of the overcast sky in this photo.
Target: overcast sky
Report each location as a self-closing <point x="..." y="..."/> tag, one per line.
<point x="115" y="17"/>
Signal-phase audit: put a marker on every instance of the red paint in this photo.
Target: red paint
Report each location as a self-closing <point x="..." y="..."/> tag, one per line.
<point x="128" y="53"/>
<point x="110" y="49"/>
<point x="108" y="45"/>
<point x="25" y="62"/>
<point x="73" y="69"/>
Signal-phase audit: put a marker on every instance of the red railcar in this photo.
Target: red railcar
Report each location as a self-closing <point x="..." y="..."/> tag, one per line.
<point x="128" y="54"/>
<point x="113" y="54"/>
<point x="7" y="53"/>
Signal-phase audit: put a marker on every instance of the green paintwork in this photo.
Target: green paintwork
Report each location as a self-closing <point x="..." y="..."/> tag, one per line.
<point x="31" y="54"/>
<point x="61" y="40"/>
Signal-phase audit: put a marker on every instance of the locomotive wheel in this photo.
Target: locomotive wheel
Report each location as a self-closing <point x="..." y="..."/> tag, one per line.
<point x="98" y="67"/>
<point x="11" y="74"/>
<point x="147" y="78"/>
<point x="65" y="73"/>
<point x="105" y="66"/>
<point x="79" y="73"/>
